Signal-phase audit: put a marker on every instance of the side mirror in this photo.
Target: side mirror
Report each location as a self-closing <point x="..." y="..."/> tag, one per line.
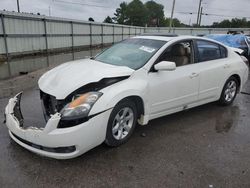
<point x="165" y="66"/>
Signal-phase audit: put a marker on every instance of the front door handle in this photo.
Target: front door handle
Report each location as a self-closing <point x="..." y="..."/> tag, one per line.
<point x="193" y="75"/>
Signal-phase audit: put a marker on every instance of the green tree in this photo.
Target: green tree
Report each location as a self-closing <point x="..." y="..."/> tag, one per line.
<point x="233" y="23"/>
<point x="176" y="22"/>
<point x="139" y="14"/>
<point x="155" y="14"/>
<point x="225" y="23"/>
<point x="108" y="19"/>
<point x="120" y="14"/>
<point x="136" y="13"/>
<point x="91" y="19"/>
<point x="239" y="22"/>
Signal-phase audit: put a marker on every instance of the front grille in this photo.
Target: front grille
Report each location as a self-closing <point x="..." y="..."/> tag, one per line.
<point x="68" y="149"/>
<point x="50" y="104"/>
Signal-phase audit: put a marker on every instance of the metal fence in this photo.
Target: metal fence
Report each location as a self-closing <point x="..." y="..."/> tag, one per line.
<point x="22" y="34"/>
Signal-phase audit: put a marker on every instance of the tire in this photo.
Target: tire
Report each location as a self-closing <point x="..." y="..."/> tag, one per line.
<point x="121" y="124"/>
<point x="229" y="91"/>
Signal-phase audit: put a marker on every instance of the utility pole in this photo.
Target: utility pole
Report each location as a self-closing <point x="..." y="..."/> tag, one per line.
<point x="171" y="19"/>
<point x="198" y="15"/>
<point x="18" y="7"/>
<point x="49" y="11"/>
<point x="201" y="13"/>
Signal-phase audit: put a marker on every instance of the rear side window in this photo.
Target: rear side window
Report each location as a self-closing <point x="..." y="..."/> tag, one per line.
<point x="223" y="52"/>
<point x="208" y="51"/>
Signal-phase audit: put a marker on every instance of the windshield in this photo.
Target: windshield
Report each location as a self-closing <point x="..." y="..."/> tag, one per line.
<point x="133" y="53"/>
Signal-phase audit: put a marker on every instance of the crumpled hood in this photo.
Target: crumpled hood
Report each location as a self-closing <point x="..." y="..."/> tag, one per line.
<point x="66" y="78"/>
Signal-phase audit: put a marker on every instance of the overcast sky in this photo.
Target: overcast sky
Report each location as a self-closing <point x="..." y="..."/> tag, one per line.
<point x="227" y="8"/>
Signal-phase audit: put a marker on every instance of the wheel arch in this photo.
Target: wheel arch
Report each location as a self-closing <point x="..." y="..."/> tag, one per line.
<point x="133" y="89"/>
<point x="111" y="99"/>
<point x="222" y="84"/>
<point x="237" y="77"/>
<point x="138" y="101"/>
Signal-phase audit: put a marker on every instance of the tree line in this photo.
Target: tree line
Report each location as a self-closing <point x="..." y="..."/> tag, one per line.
<point x="233" y="23"/>
<point x="136" y="13"/>
<point x="151" y="14"/>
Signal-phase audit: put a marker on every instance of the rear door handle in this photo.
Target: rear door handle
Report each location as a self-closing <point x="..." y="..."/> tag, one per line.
<point x="226" y="66"/>
<point x="193" y="75"/>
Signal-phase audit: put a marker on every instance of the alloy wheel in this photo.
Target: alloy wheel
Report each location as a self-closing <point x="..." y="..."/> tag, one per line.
<point x="122" y="123"/>
<point x="230" y="91"/>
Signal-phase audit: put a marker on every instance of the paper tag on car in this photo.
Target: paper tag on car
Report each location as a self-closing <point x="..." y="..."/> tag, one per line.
<point x="147" y="49"/>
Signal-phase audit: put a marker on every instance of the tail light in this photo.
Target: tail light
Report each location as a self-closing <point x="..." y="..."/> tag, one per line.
<point x="245" y="60"/>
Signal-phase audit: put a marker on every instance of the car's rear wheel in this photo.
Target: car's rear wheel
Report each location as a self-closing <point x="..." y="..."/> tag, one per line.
<point x="121" y="123"/>
<point x="229" y="91"/>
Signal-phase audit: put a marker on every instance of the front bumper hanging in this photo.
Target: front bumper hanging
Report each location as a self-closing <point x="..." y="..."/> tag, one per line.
<point x="31" y="137"/>
<point x="51" y="141"/>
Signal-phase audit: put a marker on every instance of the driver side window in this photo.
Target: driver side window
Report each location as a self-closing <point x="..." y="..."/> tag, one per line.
<point x="181" y="53"/>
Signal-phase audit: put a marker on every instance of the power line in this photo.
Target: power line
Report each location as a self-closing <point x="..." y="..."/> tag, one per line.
<point x="212" y="14"/>
<point x="227" y="16"/>
<point x="83" y="4"/>
<point x="213" y="8"/>
<point x="231" y="10"/>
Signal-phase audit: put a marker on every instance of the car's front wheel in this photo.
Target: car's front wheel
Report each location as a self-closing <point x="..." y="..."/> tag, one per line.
<point x="121" y="123"/>
<point x="229" y="91"/>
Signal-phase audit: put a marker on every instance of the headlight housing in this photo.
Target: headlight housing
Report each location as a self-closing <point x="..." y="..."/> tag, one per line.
<point x="80" y="105"/>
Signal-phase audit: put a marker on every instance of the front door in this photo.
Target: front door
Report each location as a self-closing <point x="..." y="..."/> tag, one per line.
<point x="172" y="91"/>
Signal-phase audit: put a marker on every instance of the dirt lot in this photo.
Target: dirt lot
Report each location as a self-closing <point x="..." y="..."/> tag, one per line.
<point x="208" y="146"/>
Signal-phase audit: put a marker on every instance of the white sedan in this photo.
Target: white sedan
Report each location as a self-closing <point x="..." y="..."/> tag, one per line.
<point x="101" y="99"/>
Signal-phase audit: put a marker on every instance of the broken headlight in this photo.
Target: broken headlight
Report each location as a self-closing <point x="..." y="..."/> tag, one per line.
<point x="80" y="105"/>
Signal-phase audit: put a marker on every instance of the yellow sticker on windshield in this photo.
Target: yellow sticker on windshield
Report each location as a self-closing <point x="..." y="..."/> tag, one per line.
<point x="147" y="49"/>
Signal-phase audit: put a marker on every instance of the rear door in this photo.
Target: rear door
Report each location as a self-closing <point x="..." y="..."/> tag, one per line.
<point x="213" y="66"/>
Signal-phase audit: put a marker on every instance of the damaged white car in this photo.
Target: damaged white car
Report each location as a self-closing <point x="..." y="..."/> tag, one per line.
<point x="101" y="99"/>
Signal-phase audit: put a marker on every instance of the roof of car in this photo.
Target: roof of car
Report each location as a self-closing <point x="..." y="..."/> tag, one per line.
<point x="180" y="37"/>
<point x="166" y="37"/>
<point x="160" y="34"/>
